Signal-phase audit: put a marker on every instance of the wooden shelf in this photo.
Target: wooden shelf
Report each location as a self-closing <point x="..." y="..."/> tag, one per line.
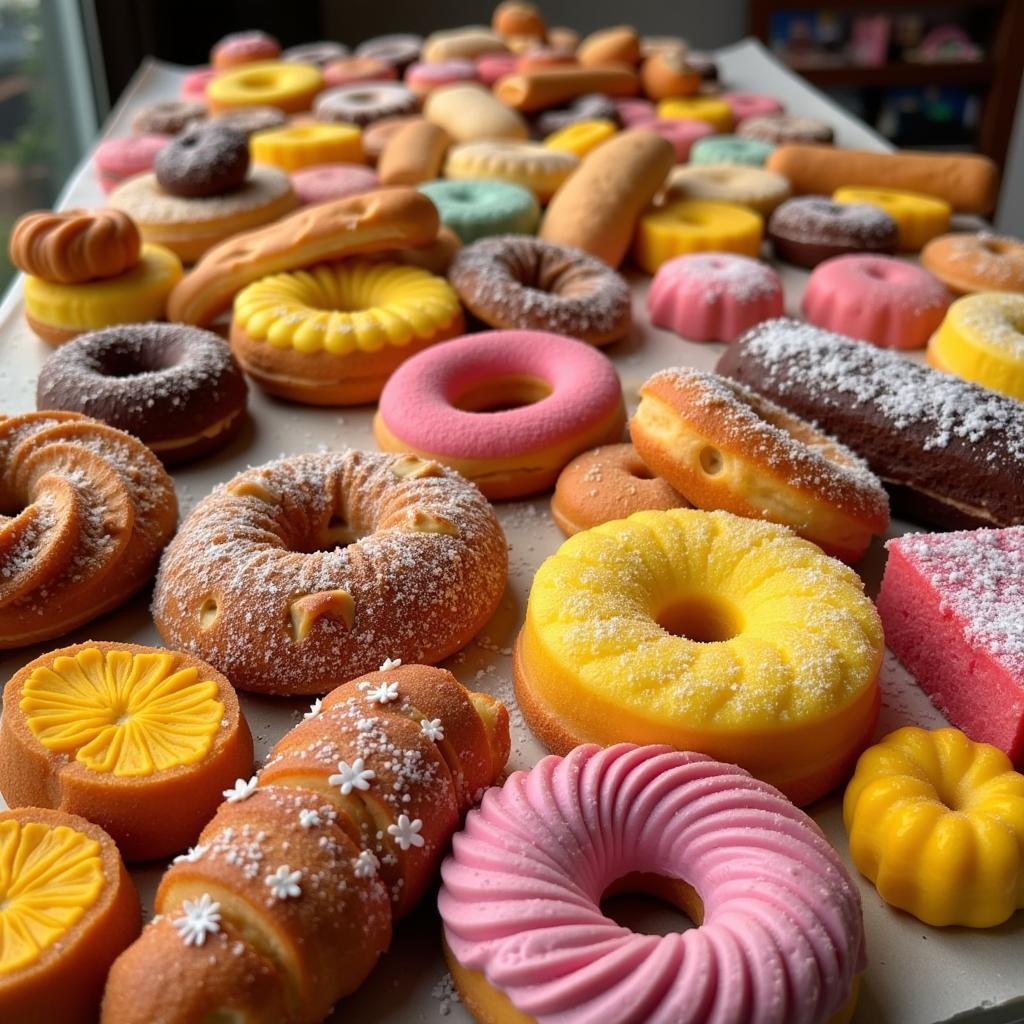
<point x="977" y="73"/>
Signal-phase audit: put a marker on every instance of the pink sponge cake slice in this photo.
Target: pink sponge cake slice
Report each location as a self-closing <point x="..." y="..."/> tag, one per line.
<point x="952" y="605"/>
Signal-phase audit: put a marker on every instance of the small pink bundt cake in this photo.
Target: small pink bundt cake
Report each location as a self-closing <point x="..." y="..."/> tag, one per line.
<point x="878" y="299"/>
<point x="713" y="296"/>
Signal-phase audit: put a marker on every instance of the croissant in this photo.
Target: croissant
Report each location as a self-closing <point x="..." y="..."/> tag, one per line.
<point x="288" y="899"/>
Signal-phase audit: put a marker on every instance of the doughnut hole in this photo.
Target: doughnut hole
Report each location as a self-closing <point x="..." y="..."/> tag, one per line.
<point x="499" y="394"/>
<point x="209" y="611"/>
<point x="712" y="462"/>
<point x="650" y="904"/>
<point x="701" y="618"/>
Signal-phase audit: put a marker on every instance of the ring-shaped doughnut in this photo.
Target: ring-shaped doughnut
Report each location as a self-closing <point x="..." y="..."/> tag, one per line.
<point x="728" y="149"/>
<point x="349" y="70"/>
<point x="296" y="146"/>
<point x="398" y="48"/>
<point x="716" y="112"/>
<point x="691" y="225"/>
<point x="920" y="218"/>
<point x="978" y="262"/>
<point x="524" y="163"/>
<point x="606" y="483"/>
<point x="289" y="87"/>
<point x="176" y="388"/>
<point x="580" y="137"/>
<point x="981" y="339"/>
<point x="682" y="132"/>
<point x="782" y="128"/>
<point x="319" y="53"/>
<point x="332" y="334"/>
<point x="527" y="284"/>
<point x="239" y="48"/>
<point x="364" y="103"/>
<point x="423" y="79"/>
<point x="751" y="104"/>
<point x="806" y="230"/>
<point x="723" y="446"/>
<point x="507" y="409"/>
<point x="321" y="183"/>
<point x="168" y="117"/>
<point x="754" y="187"/>
<point x="479" y="209"/>
<point x="780" y="936"/>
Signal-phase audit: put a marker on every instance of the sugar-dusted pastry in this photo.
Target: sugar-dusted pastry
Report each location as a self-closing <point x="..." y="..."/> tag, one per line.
<point x="778" y="128"/>
<point x="778" y="931"/>
<point x="204" y="160"/>
<point x="920" y="218"/>
<point x="288" y="900"/>
<point x="67" y="910"/>
<point x="536" y="167"/>
<point x="140" y="740"/>
<point x="936" y="823"/>
<point x="246" y="47"/>
<point x="807" y="230"/>
<point x="755" y="187"/>
<point x="981" y="338"/>
<point x="96" y="509"/>
<point x="363" y="103"/>
<point x="295" y="576"/>
<point x="979" y="262"/>
<point x="708" y="632"/>
<point x="723" y="446"/>
<point x="952" y="605"/>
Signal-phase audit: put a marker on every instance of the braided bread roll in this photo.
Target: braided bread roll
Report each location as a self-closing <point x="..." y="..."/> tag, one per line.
<point x="288" y="900"/>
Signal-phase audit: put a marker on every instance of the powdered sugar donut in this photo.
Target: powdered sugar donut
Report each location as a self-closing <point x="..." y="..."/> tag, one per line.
<point x="876" y="298"/>
<point x="714" y="296"/>
<point x="364" y="103"/>
<point x="755" y="187"/>
<point x="808" y="229"/>
<point x="508" y="409"/>
<point x="780" y="936"/>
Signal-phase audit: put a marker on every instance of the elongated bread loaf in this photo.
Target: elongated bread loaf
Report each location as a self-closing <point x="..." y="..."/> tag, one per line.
<point x="530" y="91"/>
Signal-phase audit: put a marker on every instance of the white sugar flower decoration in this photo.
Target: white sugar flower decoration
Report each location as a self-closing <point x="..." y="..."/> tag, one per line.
<point x="365" y="724"/>
<point x="191" y="855"/>
<point x="383" y="694"/>
<point x="432" y="729"/>
<point x="284" y="883"/>
<point x="309" y="819"/>
<point x="406" y="833"/>
<point x="241" y="790"/>
<point x="366" y="864"/>
<point x="352" y="776"/>
<point x="199" y="918"/>
<point x="389" y="664"/>
<point x="314" y="708"/>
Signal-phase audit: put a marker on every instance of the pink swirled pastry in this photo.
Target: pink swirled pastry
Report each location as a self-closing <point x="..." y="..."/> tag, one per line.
<point x="781" y="939"/>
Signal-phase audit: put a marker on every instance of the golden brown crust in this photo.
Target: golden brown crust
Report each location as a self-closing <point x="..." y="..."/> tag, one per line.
<point x="617" y="45"/>
<point x="50" y="334"/>
<point x="722" y="446"/>
<point x="966" y="180"/>
<point x="65" y="984"/>
<point x="149" y="816"/>
<point x="976" y="262"/>
<point x="369" y="222"/>
<point x="605" y="484"/>
<point x="665" y="74"/>
<point x="517" y="18"/>
<point x="531" y="91"/>
<point x="598" y="206"/>
<point x="74" y="246"/>
<point x="413" y="154"/>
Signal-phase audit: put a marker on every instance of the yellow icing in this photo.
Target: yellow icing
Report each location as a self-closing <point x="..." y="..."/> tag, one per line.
<point x="715" y="112"/>
<point x="49" y="878"/>
<point x="346" y="307"/>
<point x="695" y="225"/>
<point x="936" y="823"/>
<point x="580" y="138"/>
<point x="297" y="146"/>
<point x="289" y="86"/>
<point x="121" y="713"/>
<point x="918" y="217"/>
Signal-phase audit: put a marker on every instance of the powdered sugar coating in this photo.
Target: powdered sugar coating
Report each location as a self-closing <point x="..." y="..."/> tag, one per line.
<point x="813" y="219"/>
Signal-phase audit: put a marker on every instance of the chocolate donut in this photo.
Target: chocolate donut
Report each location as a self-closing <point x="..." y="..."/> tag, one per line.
<point x="320" y="53"/>
<point x="176" y="388"/>
<point x="168" y="117"/>
<point x="809" y="229"/>
<point x="364" y="103"/>
<point x="519" y="282"/>
<point x="250" y="120"/>
<point x="204" y="160"/>
<point x="951" y="453"/>
<point x="400" y="49"/>
<point x="592" y="107"/>
<point x="780" y="128"/>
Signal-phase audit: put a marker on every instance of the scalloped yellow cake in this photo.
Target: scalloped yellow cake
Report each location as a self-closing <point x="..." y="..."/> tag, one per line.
<point x="728" y="636"/>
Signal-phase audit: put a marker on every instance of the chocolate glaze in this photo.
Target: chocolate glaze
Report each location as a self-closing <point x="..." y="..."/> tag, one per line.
<point x="951" y="453"/>
<point x="808" y="230"/>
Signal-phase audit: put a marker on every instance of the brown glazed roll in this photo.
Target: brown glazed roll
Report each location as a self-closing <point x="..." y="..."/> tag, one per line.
<point x="415" y="153"/>
<point x="617" y="45"/>
<point x="597" y="208"/>
<point x="951" y="453"/>
<point x="969" y="182"/>
<point x="531" y="91"/>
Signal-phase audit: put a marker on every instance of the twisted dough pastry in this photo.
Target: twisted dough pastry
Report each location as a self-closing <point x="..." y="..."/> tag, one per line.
<point x="288" y="900"/>
<point x="74" y="246"/>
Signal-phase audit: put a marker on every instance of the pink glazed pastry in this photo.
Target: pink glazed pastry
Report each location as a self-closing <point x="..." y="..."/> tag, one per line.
<point x="878" y="299"/>
<point x="680" y="131"/>
<point x="424" y="78"/>
<point x="123" y="157"/>
<point x="635" y="112"/>
<point x="780" y="937"/>
<point x="492" y="66"/>
<point x="952" y="605"/>
<point x="507" y="409"/>
<point x="322" y="182"/>
<point x="751" y="104"/>
<point x="713" y="296"/>
<point x="193" y="85"/>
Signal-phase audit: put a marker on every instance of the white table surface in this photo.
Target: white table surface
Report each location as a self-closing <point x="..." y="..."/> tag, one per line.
<point x="917" y="974"/>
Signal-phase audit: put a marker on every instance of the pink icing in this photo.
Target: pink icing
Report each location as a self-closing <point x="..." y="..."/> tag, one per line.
<point x="120" y="158"/>
<point x="714" y="296"/>
<point x="193" y="85"/>
<point x="952" y="605"/>
<point x="492" y="66"/>
<point x="751" y="104"/>
<point x="879" y="299"/>
<point x="321" y="182"/>
<point x="633" y="112"/>
<point x="349" y="70"/>
<point x="247" y="46"/>
<point x="680" y="131"/>
<point x="445" y="72"/>
<point x="416" y="404"/>
<point x="782" y="936"/>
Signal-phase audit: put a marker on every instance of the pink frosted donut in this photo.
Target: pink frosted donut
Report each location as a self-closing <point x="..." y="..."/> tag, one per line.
<point x="781" y="937"/>
<point x="244" y="48"/>
<point x="713" y="296"/>
<point x="321" y="182"/>
<point x="352" y="70"/>
<point x="879" y="299"/>
<point x="193" y="85"/>
<point x="635" y="112"/>
<point x="424" y="78"/>
<point x="680" y="131"/>
<point x="120" y="158"/>
<point x="507" y="409"/>
<point x="492" y="66"/>
<point x="751" y="104"/>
